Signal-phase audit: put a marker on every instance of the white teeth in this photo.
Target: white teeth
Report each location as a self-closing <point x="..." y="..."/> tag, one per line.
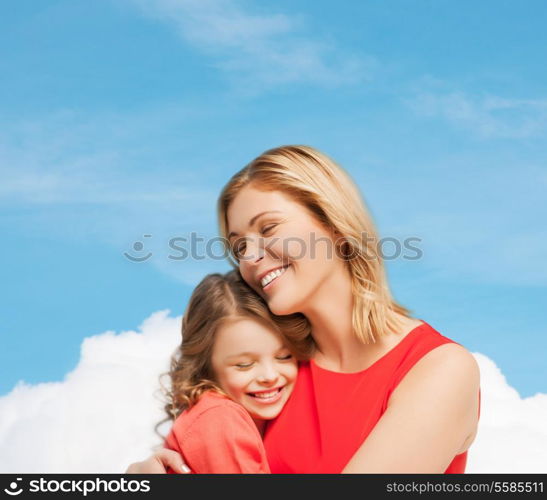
<point x="271" y="276"/>
<point x="266" y="394"/>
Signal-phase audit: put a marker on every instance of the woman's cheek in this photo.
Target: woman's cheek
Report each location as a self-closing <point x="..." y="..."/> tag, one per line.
<point x="305" y="246"/>
<point x="285" y="246"/>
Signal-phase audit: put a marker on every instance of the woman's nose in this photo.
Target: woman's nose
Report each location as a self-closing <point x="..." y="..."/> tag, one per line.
<point x="254" y="251"/>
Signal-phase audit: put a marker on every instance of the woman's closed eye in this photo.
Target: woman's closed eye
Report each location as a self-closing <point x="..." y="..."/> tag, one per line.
<point x="267" y="228"/>
<point x="239" y="248"/>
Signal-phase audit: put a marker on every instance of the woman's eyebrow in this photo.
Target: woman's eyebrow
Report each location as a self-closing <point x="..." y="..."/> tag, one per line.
<point x="253" y="220"/>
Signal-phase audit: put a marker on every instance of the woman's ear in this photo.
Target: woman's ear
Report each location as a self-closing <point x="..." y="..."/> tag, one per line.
<point x="337" y="237"/>
<point x="342" y="244"/>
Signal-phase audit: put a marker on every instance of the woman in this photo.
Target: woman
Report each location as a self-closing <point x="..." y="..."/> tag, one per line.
<point x="383" y="392"/>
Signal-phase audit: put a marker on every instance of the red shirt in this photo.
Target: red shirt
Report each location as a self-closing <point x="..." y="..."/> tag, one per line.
<point x="330" y="414"/>
<point x="218" y="436"/>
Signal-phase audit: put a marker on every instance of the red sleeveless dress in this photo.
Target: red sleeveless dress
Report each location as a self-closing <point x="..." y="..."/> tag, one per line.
<point x="330" y="414"/>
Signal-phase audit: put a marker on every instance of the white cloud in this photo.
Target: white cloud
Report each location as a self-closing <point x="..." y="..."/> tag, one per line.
<point x="259" y="51"/>
<point x="488" y="116"/>
<point x="101" y="417"/>
<point x="512" y="433"/>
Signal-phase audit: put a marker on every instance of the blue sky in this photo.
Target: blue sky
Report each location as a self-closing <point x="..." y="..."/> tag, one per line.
<point x="121" y="118"/>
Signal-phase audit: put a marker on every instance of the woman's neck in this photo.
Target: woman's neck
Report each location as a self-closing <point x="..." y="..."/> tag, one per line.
<point x="330" y="314"/>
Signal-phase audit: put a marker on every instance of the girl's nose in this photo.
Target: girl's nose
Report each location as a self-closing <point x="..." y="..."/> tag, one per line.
<point x="268" y="375"/>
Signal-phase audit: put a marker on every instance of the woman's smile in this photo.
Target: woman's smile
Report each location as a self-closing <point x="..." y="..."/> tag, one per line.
<point x="267" y="282"/>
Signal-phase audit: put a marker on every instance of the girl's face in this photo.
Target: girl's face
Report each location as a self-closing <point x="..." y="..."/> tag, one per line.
<point x="254" y="367"/>
<point x="268" y="231"/>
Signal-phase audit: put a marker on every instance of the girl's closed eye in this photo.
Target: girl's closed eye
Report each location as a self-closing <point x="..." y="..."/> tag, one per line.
<point x="244" y="365"/>
<point x="286" y="357"/>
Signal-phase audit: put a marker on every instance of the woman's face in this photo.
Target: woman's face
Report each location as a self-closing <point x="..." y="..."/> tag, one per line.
<point x="254" y="367"/>
<point x="270" y="232"/>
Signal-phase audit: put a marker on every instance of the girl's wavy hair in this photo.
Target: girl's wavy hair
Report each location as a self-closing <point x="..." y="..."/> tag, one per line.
<point x="315" y="181"/>
<point x="217" y="300"/>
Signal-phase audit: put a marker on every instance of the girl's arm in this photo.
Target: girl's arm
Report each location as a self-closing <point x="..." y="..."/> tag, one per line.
<point x="223" y="440"/>
<point x="159" y="462"/>
<point x="432" y="416"/>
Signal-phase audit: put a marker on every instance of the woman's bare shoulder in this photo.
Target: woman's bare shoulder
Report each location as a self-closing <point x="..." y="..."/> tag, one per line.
<point x="448" y="367"/>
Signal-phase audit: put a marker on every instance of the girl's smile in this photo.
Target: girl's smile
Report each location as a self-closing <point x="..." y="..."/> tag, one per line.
<point x="253" y="366"/>
<point x="268" y="397"/>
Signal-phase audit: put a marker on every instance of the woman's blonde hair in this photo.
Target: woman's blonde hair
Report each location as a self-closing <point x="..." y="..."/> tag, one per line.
<point x="217" y="300"/>
<point x="315" y="181"/>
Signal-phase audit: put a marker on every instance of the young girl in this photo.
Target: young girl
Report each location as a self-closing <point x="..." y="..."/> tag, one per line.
<point x="233" y="372"/>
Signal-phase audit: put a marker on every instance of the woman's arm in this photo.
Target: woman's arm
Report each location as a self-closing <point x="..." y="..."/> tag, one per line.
<point x="432" y="416"/>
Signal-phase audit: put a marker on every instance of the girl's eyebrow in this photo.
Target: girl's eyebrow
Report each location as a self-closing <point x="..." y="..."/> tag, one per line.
<point x="253" y="220"/>
<point x="251" y="354"/>
<point x="240" y="354"/>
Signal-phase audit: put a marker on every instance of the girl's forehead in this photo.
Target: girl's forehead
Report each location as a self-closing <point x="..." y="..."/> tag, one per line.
<point x="248" y="332"/>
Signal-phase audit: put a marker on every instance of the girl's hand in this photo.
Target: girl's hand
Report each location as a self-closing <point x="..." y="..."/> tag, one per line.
<point x="158" y="463"/>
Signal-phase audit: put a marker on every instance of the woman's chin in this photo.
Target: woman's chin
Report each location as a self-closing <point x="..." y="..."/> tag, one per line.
<point x="281" y="307"/>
